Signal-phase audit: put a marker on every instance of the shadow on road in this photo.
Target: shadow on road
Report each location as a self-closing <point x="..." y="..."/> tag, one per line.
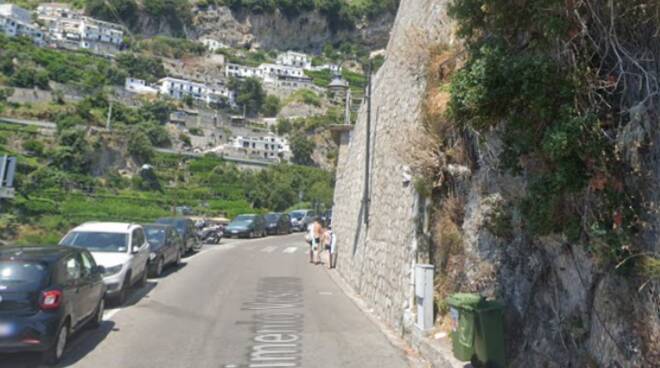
<point x="169" y="270"/>
<point x="81" y="344"/>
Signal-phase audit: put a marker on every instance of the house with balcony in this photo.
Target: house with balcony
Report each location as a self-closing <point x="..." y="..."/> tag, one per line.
<point x="180" y="88"/>
<point x="16" y="22"/>
<point x="242" y="71"/>
<point x="269" y="147"/>
<point x="70" y="29"/>
<point x="295" y="59"/>
<point x="140" y="87"/>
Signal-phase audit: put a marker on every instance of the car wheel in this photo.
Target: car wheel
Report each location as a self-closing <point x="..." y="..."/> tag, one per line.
<point x="98" y="316"/>
<point x="55" y="352"/>
<point x="159" y="268"/>
<point x="143" y="278"/>
<point x="121" y="297"/>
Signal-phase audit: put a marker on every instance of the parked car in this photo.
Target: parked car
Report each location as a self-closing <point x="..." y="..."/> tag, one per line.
<point x="46" y="294"/>
<point x="121" y="248"/>
<point x="166" y="247"/>
<point x="186" y="229"/>
<point x="301" y="218"/>
<point x="278" y="223"/>
<point x="246" y="226"/>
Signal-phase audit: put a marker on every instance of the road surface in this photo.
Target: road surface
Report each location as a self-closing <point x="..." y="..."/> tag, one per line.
<point x="243" y="303"/>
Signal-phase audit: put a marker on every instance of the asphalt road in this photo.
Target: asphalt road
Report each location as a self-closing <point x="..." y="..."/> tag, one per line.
<point x="243" y="303"/>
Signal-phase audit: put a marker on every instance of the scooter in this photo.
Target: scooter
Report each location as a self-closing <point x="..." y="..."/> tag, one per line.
<point x="211" y="235"/>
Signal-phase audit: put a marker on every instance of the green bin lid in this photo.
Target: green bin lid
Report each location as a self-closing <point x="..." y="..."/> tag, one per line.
<point x="465" y="300"/>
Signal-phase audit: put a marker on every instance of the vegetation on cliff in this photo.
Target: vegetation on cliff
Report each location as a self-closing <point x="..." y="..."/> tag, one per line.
<point x="561" y="81"/>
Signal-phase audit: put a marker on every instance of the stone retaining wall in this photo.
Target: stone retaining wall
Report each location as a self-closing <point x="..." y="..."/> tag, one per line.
<point x="377" y="259"/>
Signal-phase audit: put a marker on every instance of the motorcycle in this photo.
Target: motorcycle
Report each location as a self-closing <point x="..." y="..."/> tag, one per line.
<point x="211" y="235"/>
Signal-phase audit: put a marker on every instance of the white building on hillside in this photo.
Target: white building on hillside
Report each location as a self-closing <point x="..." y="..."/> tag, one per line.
<point x="140" y="87"/>
<point x="180" y="88"/>
<point x="273" y="72"/>
<point x="16" y="21"/>
<point x="212" y="45"/>
<point x="269" y="147"/>
<point x="295" y="59"/>
<point x="69" y="28"/>
<point x="242" y="71"/>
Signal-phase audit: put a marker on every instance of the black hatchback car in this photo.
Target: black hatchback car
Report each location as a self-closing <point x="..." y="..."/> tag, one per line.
<point x="165" y="247"/>
<point x="278" y="223"/>
<point x="186" y="229"/>
<point x="46" y="294"/>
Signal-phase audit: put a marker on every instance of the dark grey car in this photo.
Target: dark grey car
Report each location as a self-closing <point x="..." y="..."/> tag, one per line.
<point x="186" y="229"/>
<point x="246" y="226"/>
<point x="165" y="245"/>
<point x="278" y="223"/>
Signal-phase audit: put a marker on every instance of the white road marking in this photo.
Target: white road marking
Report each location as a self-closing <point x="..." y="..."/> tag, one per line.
<point x="290" y="250"/>
<point x="269" y="249"/>
<point x="325" y="292"/>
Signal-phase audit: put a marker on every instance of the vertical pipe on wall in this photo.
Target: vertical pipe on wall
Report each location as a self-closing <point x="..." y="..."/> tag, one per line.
<point x="365" y="198"/>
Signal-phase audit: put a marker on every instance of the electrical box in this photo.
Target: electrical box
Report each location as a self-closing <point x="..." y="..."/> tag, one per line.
<point x="424" y="295"/>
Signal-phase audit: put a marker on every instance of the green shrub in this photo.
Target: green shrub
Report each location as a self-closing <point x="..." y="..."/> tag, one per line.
<point x="139" y="146"/>
<point x="34" y="146"/>
<point x="271" y="106"/>
<point x="196" y="131"/>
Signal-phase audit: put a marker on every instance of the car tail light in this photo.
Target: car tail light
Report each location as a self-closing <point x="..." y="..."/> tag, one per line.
<point x="50" y="299"/>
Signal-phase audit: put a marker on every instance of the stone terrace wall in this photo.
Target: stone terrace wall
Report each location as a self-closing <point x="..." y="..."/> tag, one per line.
<point x="377" y="260"/>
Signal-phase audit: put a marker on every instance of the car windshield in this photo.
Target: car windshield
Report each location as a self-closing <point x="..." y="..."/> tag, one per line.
<point x="155" y="237"/>
<point x="180" y="225"/>
<point x="97" y="241"/>
<point x="22" y="275"/>
<point x="243" y="220"/>
<point x="297" y="215"/>
<point x="272" y="217"/>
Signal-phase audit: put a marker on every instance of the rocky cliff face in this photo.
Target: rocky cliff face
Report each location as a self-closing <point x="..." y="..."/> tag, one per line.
<point x="308" y="31"/>
<point x="563" y="309"/>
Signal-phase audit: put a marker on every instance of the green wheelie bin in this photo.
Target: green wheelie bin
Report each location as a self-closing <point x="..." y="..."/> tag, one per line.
<point x="489" y="335"/>
<point x="463" y="309"/>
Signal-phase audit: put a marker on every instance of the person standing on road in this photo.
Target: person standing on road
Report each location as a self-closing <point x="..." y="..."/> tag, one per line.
<point x="315" y="233"/>
<point x="330" y="245"/>
<point x="310" y="240"/>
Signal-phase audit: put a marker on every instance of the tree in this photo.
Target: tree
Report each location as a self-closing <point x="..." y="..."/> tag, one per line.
<point x="302" y="149"/>
<point x="188" y="100"/>
<point x="271" y="106"/>
<point x="139" y="146"/>
<point x="143" y="67"/>
<point x="283" y="126"/>
<point x="117" y="11"/>
<point x="249" y="93"/>
<point x="158" y="110"/>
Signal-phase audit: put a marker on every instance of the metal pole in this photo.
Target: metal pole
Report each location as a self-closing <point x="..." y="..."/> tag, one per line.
<point x="107" y="123"/>
<point x="347" y="112"/>
<point x="365" y="200"/>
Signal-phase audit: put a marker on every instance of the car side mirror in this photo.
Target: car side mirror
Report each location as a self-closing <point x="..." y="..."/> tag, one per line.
<point x="99" y="270"/>
<point x="135" y="249"/>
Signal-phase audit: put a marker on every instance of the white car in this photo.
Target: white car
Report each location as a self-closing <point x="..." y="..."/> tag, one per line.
<point x="121" y="248"/>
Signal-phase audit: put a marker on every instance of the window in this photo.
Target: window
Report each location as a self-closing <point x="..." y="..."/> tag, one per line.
<point x="137" y="240"/>
<point x="72" y="268"/>
<point x="87" y="263"/>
